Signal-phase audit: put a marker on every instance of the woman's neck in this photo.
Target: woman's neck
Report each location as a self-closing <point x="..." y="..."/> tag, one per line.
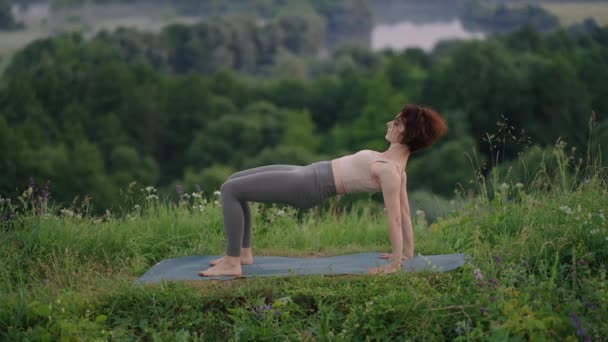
<point x="398" y="152"/>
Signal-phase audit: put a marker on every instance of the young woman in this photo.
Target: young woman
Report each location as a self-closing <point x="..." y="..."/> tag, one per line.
<point x="414" y="128"/>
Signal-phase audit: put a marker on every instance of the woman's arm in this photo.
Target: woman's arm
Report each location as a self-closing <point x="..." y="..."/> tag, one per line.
<point x="390" y="182"/>
<point x="406" y="220"/>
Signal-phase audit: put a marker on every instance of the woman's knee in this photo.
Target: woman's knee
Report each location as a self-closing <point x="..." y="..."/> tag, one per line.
<point x="226" y="187"/>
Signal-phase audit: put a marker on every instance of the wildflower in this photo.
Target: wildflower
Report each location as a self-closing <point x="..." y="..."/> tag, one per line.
<point x="478" y="274"/>
<point x="262" y="310"/>
<point x="67" y="212"/>
<point x="458" y="329"/>
<point x="566" y="209"/>
<point x="579" y="329"/>
<point x="497" y="259"/>
<point x="32" y="184"/>
<point x="46" y="193"/>
<point x="504" y="187"/>
<point x="150" y="189"/>
<point x="494" y="281"/>
<point x="582" y="262"/>
<point x="590" y="305"/>
<point x="524" y="263"/>
<point x="217" y="193"/>
<point x="180" y="192"/>
<point x="519" y="185"/>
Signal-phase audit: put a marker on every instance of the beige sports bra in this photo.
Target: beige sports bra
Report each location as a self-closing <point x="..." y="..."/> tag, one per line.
<point x="355" y="171"/>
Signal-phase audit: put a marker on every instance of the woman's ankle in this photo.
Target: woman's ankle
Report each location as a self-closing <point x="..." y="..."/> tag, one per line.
<point x="231" y="260"/>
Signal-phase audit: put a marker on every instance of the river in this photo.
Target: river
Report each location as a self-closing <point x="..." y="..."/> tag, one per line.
<point x="406" y="34"/>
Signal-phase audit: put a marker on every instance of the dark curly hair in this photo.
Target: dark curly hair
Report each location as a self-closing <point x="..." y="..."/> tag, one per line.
<point x="423" y="126"/>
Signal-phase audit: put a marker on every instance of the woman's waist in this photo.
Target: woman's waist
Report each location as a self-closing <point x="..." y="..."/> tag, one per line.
<point x="337" y="177"/>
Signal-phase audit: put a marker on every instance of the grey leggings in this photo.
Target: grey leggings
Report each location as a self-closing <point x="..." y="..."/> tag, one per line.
<point x="299" y="186"/>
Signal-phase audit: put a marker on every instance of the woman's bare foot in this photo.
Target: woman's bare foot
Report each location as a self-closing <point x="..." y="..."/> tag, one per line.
<point x="386" y="269"/>
<point x="388" y="256"/>
<point x="230" y="266"/>
<point x="246" y="257"/>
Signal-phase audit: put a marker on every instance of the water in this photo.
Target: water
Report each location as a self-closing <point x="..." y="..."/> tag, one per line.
<point x="407" y="34"/>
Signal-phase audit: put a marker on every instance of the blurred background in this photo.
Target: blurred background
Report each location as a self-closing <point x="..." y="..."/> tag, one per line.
<point x="99" y="96"/>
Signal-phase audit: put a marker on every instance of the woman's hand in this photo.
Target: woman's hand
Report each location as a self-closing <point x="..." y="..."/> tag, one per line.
<point x="390" y="268"/>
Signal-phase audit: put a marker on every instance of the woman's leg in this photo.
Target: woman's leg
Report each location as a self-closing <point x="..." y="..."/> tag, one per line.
<point x="302" y="188"/>
<point x="293" y="187"/>
<point x="245" y="204"/>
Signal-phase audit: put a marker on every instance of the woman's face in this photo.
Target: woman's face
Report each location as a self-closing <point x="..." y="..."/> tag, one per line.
<point x="394" y="128"/>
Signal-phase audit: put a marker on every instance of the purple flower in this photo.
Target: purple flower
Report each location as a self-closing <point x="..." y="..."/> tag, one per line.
<point x="525" y="263"/>
<point x="46" y="193"/>
<point x="582" y="262"/>
<point x="180" y="192"/>
<point x="494" y="281"/>
<point x="497" y="259"/>
<point x="478" y="274"/>
<point x="575" y="321"/>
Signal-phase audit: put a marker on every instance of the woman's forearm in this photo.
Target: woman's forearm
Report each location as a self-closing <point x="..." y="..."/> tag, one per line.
<point x="408" y="236"/>
<point x="395" y="234"/>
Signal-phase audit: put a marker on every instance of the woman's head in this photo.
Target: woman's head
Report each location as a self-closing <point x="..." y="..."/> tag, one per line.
<point x="417" y="126"/>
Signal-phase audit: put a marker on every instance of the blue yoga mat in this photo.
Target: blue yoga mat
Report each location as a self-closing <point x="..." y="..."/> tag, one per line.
<point x="187" y="267"/>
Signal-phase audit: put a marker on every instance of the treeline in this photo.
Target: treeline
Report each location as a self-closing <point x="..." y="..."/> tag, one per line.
<point x="7" y="20"/>
<point x="483" y="16"/>
<point x="92" y="120"/>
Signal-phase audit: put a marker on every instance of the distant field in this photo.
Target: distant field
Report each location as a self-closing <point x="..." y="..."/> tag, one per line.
<point x="571" y="13"/>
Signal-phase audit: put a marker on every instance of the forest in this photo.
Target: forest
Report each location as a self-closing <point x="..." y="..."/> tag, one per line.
<point x="192" y="104"/>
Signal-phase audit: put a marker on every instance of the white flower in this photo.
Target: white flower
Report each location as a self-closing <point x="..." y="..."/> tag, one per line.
<point x="196" y="195"/>
<point x="217" y="193"/>
<point x="566" y="209"/>
<point x="504" y="187"/>
<point x="67" y="212"/>
<point x="152" y="197"/>
<point x="136" y="207"/>
<point x="519" y="185"/>
<point x="594" y="231"/>
<point x="420" y="212"/>
<point x="150" y="188"/>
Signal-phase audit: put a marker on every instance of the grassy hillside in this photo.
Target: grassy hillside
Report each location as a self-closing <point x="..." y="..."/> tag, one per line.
<point x="538" y="270"/>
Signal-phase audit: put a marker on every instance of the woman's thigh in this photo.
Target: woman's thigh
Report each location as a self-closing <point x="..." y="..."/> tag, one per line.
<point x="276" y="167"/>
<point x="296" y="187"/>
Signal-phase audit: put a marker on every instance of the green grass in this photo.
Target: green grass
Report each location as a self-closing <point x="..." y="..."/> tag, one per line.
<point x="542" y="250"/>
<point x="576" y="12"/>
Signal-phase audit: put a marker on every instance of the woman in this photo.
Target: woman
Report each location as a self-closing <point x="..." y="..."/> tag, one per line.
<point x="414" y="128"/>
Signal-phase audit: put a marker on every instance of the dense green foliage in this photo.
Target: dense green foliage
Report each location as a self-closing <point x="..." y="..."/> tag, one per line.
<point x="537" y="270"/>
<point x="94" y="115"/>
